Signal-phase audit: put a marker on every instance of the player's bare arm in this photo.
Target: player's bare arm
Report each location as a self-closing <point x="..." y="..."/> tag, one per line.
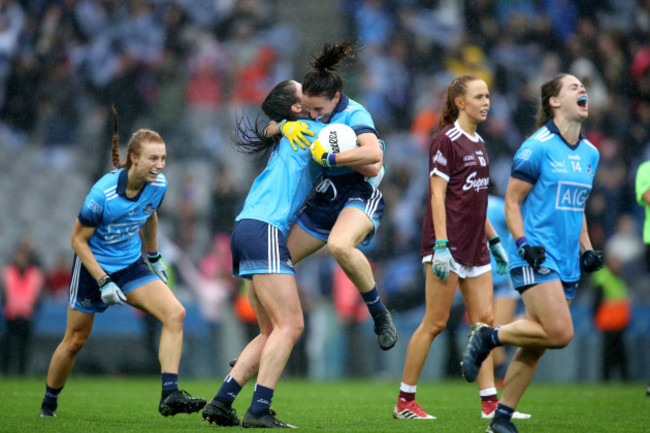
<point x="368" y="157"/>
<point x="150" y="233"/>
<point x="585" y="242"/>
<point x="80" y="236"/>
<point x="438" y="196"/>
<point x="489" y="229"/>
<point x="517" y="192"/>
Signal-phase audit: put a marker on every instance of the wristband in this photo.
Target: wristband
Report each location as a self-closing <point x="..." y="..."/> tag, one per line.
<point x="495" y="240"/>
<point x="331" y="159"/>
<point x="281" y="124"/>
<point x="103" y="281"/>
<point x="441" y="243"/>
<point x="522" y="240"/>
<point x="153" y="257"/>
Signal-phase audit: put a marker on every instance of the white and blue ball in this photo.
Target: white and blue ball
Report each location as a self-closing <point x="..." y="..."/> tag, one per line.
<point x="337" y="137"/>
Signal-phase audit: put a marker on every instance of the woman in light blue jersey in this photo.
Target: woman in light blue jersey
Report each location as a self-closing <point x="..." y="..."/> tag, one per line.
<point x="551" y="178"/>
<point x="346" y="207"/>
<point x="109" y="268"/>
<point x="260" y="254"/>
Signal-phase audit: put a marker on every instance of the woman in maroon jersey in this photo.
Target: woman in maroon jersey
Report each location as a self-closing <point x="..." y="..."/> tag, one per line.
<point x="455" y="237"/>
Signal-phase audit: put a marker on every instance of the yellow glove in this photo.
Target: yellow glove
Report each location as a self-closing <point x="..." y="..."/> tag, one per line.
<point x="295" y="131"/>
<point x="321" y="156"/>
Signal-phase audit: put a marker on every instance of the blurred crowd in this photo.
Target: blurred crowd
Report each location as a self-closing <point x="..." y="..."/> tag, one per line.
<point x="189" y="69"/>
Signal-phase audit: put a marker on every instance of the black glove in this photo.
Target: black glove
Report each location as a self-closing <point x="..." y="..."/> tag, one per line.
<point x="591" y="260"/>
<point x="535" y="256"/>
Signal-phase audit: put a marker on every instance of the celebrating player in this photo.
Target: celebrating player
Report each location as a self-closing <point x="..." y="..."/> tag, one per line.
<point x="260" y="253"/>
<point x="346" y="207"/>
<point x="551" y="178"/>
<point x="109" y="268"/>
<point x="455" y="237"/>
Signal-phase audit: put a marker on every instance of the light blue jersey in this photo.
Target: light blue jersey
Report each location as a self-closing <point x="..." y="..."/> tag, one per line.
<point x="117" y="219"/>
<point x="562" y="176"/>
<point x="353" y="114"/>
<point x="497" y="216"/>
<point x="279" y="191"/>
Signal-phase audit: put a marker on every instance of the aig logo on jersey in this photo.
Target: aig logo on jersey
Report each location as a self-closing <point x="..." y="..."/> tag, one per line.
<point x="572" y="196"/>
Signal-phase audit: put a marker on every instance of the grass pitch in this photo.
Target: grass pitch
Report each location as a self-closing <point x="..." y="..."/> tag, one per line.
<point x="130" y="404"/>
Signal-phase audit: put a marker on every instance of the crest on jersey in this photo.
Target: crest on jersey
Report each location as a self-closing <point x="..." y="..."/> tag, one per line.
<point x="95" y="207"/>
<point x="524" y="154"/>
<point x="591" y="172"/>
<point x="149" y="209"/>
<point x="440" y="158"/>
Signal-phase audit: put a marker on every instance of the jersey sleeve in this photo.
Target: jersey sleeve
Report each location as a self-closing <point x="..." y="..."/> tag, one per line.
<point x="361" y="122"/>
<point x="92" y="211"/>
<point x="162" y="183"/>
<point x="527" y="162"/>
<point x="441" y="157"/>
<point x="642" y="182"/>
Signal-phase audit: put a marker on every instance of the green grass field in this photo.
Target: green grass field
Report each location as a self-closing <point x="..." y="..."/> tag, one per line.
<point x="129" y="404"/>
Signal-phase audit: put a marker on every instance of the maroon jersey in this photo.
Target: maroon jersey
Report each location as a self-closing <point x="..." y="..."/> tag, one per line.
<point x="462" y="161"/>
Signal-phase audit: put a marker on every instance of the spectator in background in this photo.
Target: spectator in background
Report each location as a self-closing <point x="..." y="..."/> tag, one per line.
<point x="612" y="314"/>
<point x="224" y="201"/>
<point x="57" y="280"/>
<point x="352" y="312"/>
<point x="22" y="284"/>
<point x="213" y="284"/>
<point x="642" y="188"/>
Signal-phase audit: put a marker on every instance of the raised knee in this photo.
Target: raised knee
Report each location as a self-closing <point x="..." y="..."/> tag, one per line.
<point x="336" y="248"/>
<point x="561" y="338"/>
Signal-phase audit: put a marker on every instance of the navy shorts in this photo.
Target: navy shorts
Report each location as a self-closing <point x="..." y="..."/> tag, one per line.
<point x="525" y="277"/>
<point x="84" y="292"/>
<point x="331" y="196"/>
<point x="259" y="248"/>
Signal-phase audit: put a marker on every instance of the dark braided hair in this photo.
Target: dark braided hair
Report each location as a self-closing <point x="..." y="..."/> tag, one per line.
<point x="322" y="78"/>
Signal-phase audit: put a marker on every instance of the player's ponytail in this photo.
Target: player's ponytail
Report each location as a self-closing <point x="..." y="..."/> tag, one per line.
<point x="549" y="89"/>
<point x="322" y="78"/>
<point x="457" y="88"/>
<point x="115" y="150"/>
